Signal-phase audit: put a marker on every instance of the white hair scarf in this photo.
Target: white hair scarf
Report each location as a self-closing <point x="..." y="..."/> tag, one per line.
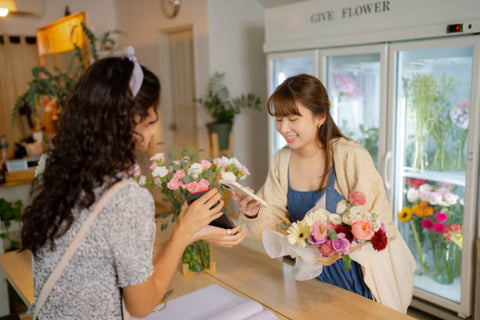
<point x="137" y="74"/>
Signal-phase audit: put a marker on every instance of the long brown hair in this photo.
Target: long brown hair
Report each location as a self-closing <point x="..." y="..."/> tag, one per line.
<point x="308" y="91"/>
<point x="95" y="141"/>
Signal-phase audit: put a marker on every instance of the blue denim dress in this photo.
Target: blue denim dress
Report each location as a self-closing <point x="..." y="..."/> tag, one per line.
<point x="298" y="204"/>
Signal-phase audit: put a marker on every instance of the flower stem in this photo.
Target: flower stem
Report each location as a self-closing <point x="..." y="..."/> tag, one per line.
<point x="419" y="247"/>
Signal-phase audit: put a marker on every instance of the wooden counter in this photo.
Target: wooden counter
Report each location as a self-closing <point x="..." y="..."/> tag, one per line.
<point x="248" y="274"/>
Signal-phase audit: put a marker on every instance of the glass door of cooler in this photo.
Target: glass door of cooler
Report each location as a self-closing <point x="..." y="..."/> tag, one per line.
<point x="280" y="67"/>
<point x="355" y="78"/>
<point x="434" y="92"/>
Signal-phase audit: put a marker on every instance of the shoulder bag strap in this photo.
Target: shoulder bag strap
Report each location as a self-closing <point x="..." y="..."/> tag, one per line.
<point x="52" y="279"/>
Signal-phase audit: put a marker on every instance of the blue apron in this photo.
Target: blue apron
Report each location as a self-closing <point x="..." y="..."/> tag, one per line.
<point x="298" y="204"/>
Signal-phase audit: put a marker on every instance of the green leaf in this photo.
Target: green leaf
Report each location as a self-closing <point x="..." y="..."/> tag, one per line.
<point x="347" y="261"/>
<point x="163" y="215"/>
<point x="332" y="235"/>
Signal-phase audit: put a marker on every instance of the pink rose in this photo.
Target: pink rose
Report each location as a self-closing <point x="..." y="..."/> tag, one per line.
<point x="205" y="164"/>
<point x="362" y="229"/>
<point x="341" y="244"/>
<point x="357" y="198"/>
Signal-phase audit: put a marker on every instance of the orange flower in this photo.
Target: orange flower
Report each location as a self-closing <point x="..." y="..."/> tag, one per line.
<point x="428" y="211"/>
<point x="417" y="210"/>
<point x="423" y="204"/>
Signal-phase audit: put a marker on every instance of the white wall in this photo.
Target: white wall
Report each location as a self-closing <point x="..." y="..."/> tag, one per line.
<point x="236" y="37"/>
<point x="100" y="16"/>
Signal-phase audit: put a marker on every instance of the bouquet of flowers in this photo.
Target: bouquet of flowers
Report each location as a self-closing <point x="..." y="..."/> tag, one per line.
<point x="339" y="232"/>
<point x="177" y="177"/>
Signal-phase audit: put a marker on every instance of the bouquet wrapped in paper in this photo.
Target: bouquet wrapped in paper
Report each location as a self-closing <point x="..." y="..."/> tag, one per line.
<point x="322" y="233"/>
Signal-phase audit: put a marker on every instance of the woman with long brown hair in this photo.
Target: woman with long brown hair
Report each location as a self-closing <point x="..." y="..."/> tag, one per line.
<point x="319" y="165"/>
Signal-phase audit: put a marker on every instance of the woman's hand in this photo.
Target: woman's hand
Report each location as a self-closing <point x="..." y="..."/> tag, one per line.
<point x="247" y="205"/>
<point x="221" y="237"/>
<point x="199" y="214"/>
<point x="326" y="261"/>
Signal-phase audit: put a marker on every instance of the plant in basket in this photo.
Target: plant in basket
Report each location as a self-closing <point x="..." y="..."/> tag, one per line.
<point x="180" y="177"/>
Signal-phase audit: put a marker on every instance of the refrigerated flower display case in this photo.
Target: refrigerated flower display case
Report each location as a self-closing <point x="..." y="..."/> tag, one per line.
<point x="405" y="85"/>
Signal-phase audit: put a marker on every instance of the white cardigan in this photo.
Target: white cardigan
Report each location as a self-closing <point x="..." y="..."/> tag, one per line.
<point x="355" y="171"/>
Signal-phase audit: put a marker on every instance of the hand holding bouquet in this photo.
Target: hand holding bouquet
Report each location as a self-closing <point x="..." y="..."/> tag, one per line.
<point x="340" y="232"/>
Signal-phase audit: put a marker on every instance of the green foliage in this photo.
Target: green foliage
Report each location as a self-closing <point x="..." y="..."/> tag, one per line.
<point x="60" y="83"/>
<point x="10" y="212"/>
<point x="220" y="106"/>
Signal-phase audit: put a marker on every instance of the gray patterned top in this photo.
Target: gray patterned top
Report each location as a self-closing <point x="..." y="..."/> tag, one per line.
<point x="116" y="252"/>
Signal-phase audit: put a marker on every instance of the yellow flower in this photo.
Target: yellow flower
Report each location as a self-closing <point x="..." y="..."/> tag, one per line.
<point x="298" y="234"/>
<point x="405" y="215"/>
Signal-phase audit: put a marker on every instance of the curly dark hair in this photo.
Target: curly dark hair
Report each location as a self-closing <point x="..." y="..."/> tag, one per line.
<point x="94" y="142"/>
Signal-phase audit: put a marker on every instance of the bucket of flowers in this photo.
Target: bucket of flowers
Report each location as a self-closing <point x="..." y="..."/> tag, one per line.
<point x="322" y="233"/>
<point x="178" y="176"/>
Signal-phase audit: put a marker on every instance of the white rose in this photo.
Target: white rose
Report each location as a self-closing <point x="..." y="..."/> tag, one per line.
<point x="228" y="176"/>
<point x="435" y="198"/>
<point x="342" y="206"/>
<point x="425" y="196"/>
<point x="195" y="170"/>
<point x="142" y="180"/>
<point x="159" y="172"/>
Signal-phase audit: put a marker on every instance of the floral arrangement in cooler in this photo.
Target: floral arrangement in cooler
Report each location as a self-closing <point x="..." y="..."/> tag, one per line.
<point x="433" y="213"/>
<point x="179" y="176"/>
<point x="345" y="86"/>
<point x="459" y="132"/>
<point x="339" y="232"/>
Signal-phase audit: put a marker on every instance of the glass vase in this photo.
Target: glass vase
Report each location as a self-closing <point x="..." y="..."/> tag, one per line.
<point x="443" y="260"/>
<point x="197" y="256"/>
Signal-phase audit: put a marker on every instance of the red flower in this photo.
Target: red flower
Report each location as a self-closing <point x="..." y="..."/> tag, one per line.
<point x="341" y="228"/>
<point x="415" y="183"/>
<point x="379" y="240"/>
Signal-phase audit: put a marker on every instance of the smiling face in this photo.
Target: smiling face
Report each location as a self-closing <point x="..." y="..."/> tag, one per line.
<point x="300" y="131"/>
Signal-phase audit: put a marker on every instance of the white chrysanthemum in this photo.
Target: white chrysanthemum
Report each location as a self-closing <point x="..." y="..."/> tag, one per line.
<point x="298" y="234"/>
<point x="228" y="176"/>
<point x="342" y="206"/>
<point x="347" y="217"/>
<point x="142" y="180"/>
<point x="195" y="170"/>
<point x="356" y="212"/>
<point x="335" y="218"/>
<point x="159" y="172"/>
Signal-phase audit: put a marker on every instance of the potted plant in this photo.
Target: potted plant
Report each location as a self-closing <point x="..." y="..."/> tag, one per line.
<point x="223" y="109"/>
<point x="9" y="212"/>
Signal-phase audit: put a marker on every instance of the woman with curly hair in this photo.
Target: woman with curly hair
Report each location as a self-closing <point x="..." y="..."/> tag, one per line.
<point x="108" y="116"/>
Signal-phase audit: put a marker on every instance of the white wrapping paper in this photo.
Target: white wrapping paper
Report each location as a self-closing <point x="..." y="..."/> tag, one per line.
<point x="276" y="245"/>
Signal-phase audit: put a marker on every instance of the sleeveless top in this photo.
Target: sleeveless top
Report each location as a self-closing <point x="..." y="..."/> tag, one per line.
<point x="298" y="204"/>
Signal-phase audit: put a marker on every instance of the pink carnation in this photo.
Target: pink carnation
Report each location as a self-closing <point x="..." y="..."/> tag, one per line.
<point x="202" y="185"/>
<point x="134" y="170"/>
<point x="179" y="175"/>
<point x="220" y="163"/>
<point x="245" y="171"/>
<point x="173" y="184"/>
<point x="154" y="165"/>
<point x="362" y="229"/>
<point x="357" y="198"/>
<point x="158" y="156"/>
<point x="191" y="187"/>
<point x="205" y="164"/>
